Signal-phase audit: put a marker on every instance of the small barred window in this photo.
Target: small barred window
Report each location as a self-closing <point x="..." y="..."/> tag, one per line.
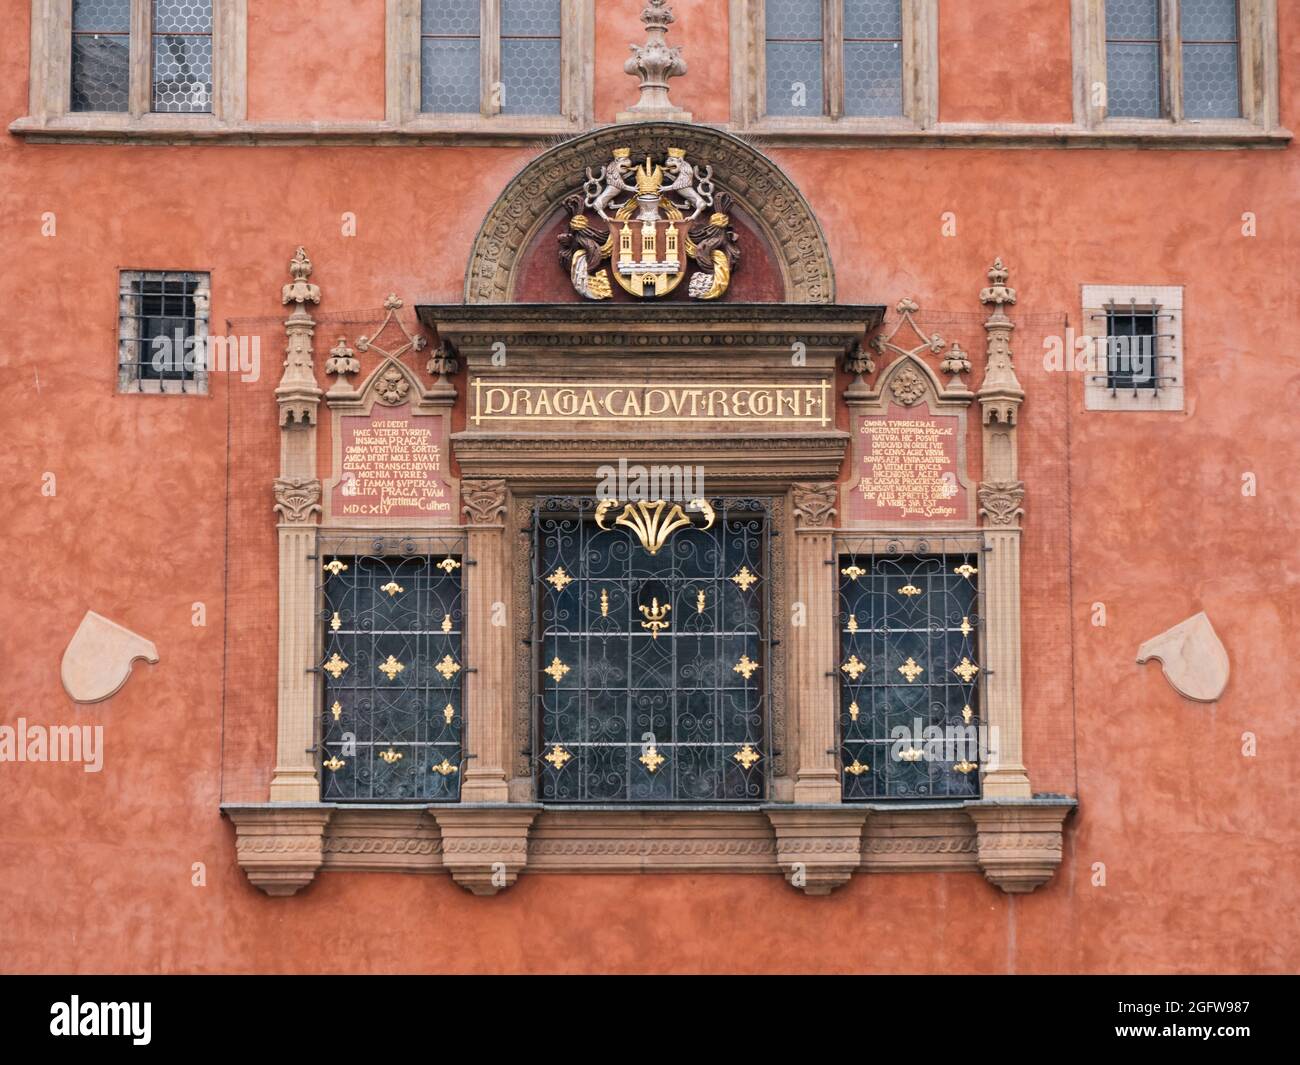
<point x="909" y="671"/>
<point x="1132" y="350"/>
<point x="162" y="331"/>
<point x="393" y="668"/>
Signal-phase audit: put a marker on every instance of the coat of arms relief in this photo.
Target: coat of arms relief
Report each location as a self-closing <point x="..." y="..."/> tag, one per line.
<point x="663" y="219"/>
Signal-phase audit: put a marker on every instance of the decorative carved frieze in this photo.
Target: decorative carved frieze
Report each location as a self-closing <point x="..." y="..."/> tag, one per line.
<point x="814" y="504"/>
<point x="1000" y="502"/>
<point x="297" y="499"/>
<point x="653" y="63"/>
<point x="483" y="501"/>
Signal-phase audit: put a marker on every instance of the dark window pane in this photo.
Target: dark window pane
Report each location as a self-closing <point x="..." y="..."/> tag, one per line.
<point x="1132" y="20"/>
<point x="794" y="78"/>
<point x="101" y="15"/>
<point x="450" y="17"/>
<point x="874" y="19"/>
<point x="873" y="78"/>
<point x="1132" y="348"/>
<point x="1133" y="80"/>
<point x="449" y="75"/>
<point x="530" y="75"/>
<point x="100" y="72"/>
<point x="182" y="73"/>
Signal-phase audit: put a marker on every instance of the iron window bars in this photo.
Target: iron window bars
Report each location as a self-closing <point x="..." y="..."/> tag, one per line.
<point x="1132" y="347"/>
<point x="162" y="331"/>
<point x="651" y="668"/>
<point x="910" y="679"/>
<point x="393" y="666"/>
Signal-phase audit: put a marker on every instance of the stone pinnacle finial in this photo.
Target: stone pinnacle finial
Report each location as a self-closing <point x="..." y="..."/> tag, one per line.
<point x="654" y="62"/>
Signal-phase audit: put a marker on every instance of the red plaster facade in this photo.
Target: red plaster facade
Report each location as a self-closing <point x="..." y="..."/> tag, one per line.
<point x="1199" y="842"/>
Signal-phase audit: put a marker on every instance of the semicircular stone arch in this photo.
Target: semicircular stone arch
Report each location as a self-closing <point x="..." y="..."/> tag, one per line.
<point x="756" y="184"/>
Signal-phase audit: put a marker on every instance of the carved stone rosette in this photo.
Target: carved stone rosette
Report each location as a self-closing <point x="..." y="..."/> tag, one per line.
<point x="814" y="505"/>
<point x="297" y="499"/>
<point x="483" y="501"/>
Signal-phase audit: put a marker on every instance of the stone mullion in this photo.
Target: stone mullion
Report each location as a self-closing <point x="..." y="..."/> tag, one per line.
<point x="817" y="779"/>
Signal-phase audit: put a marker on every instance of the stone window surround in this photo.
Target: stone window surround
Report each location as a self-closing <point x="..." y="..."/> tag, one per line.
<point x="1167" y="299"/>
<point x="486" y="840"/>
<point x="1258" y="64"/>
<point x="128" y="383"/>
<point x="50" y="76"/>
<point x="402" y="83"/>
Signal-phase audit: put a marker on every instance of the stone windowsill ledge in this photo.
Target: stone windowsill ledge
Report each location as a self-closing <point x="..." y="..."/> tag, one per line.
<point x="1015" y="843"/>
<point x="206" y="129"/>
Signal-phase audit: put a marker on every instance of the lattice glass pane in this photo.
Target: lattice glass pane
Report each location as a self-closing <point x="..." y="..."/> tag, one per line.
<point x="449" y="76"/>
<point x="1209" y="20"/>
<point x="450" y="17"/>
<point x="1132" y="20"/>
<point x="794" y="78"/>
<point x="182" y="73"/>
<point x="530" y="18"/>
<point x="876" y="19"/>
<point x="530" y="76"/>
<point x="182" y="16"/>
<point x="797" y="19"/>
<point x="1211" y="87"/>
<point x="100" y="72"/>
<point x="101" y="15"/>
<point x="873" y="78"/>
<point x="1133" y="80"/>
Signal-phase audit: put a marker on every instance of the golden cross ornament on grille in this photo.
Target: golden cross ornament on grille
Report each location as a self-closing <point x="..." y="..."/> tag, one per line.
<point x="743" y="579"/>
<point x="334" y="764"/>
<point x="448" y="667"/>
<point x="651" y="758"/>
<point x="745" y="667"/>
<point x="747" y="757"/>
<point x="911" y="670"/>
<point x="391" y="668"/>
<point x="335" y="666"/>
<point x="854" y="667"/>
<point x="557" y="757"/>
<point x="559" y="580"/>
<point x="966" y="669"/>
<point x="556" y="670"/>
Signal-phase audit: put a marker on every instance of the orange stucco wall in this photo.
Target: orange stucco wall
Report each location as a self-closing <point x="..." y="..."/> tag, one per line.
<point x="1199" y="842"/>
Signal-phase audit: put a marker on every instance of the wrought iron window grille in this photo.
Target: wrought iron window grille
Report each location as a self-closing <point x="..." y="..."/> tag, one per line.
<point x="162" y="331"/>
<point x="392" y="662"/>
<point x="911" y="678"/>
<point x="650" y="666"/>
<point x="1122" y="323"/>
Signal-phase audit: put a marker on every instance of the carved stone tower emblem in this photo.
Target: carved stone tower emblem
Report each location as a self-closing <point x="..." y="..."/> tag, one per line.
<point x="655" y="234"/>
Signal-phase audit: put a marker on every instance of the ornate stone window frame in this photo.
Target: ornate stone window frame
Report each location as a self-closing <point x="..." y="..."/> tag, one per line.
<point x="577" y="47"/>
<point x="1167" y="302"/>
<point x="1258" y="65"/>
<point x="920" y="73"/>
<point x="51" y="65"/>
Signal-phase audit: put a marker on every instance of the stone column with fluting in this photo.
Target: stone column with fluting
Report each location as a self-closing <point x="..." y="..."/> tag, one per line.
<point x="297" y="502"/>
<point x="1001" y="493"/>
<point x="815" y="692"/>
<point x="488" y="583"/>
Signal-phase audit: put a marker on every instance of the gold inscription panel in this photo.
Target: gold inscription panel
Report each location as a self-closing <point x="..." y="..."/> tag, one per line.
<point x="525" y="401"/>
<point x="908" y="467"/>
<point x="392" y="464"/>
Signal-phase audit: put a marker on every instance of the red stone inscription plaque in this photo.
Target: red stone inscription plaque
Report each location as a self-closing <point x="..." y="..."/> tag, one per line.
<point x="393" y="464"/>
<point x="908" y="468"/>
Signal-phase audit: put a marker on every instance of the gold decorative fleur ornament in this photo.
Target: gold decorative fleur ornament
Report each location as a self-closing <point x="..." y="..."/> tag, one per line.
<point x="559" y="580"/>
<point x="335" y="666"/>
<point x="857" y="768"/>
<point x="911" y="670"/>
<point x="745" y="667"/>
<point x="854" y="667"/>
<point x="966" y="669"/>
<point x="448" y="667"/>
<point x="652" y="759"/>
<point x="747" y="757"/>
<point x="744" y="579"/>
<point x="656" y="617"/>
<point x="336" y="567"/>
<point x="391" y="668"/>
<point x="444" y="767"/>
<point x="853" y="572"/>
<point x="557" y="757"/>
<point x="390" y="756"/>
<point x="334" y="764"/>
<point x="556" y="670"/>
<point x="392" y="588"/>
<point x="448" y="565"/>
<point x="649" y="520"/>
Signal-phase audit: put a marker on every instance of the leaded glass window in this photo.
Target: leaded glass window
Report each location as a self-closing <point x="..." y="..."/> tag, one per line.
<point x="1210" y="40"/>
<point x="873" y="57"/>
<point x="393" y="670"/>
<point x="182" y="55"/>
<point x="101" y="54"/>
<point x="651" y="677"/>
<point x="794" y="57"/>
<point x="909" y="670"/>
<point x="530" y="57"/>
<point x="1133" y="68"/>
<point x="449" y="56"/>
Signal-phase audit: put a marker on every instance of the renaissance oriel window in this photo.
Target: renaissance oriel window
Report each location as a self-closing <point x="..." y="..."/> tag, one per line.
<point x="393" y="669"/>
<point x="162" y="331"/>
<point x="1178" y="59"/>
<point x="178" y="35"/>
<point x="909" y="672"/>
<point x="651" y="650"/>
<point x="509" y="63"/>
<point x="825" y="60"/>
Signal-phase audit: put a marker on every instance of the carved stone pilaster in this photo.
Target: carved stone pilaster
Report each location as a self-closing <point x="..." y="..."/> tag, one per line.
<point x="1019" y="844"/>
<point x="484" y="501"/>
<point x="280" y="848"/>
<point x="484" y="847"/>
<point x="297" y="394"/>
<point x="1000" y="394"/>
<point x="654" y="62"/>
<point x="814" y="505"/>
<point x="818" y="848"/>
<point x="297" y="499"/>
